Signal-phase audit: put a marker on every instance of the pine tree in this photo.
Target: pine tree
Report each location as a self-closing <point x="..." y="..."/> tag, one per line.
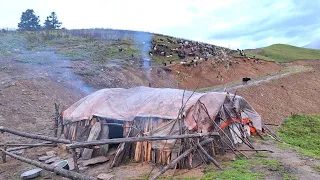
<point x="29" y="21"/>
<point x="52" y="22"/>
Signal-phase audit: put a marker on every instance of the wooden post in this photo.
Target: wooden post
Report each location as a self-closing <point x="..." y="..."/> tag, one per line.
<point x="75" y="160"/>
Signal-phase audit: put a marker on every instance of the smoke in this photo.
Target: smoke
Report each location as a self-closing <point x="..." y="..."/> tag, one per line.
<point x="49" y="64"/>
<point x="144" y="42"/>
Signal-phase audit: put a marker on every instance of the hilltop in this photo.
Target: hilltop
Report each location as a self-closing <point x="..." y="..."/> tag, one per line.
<point x="283" y="53"/>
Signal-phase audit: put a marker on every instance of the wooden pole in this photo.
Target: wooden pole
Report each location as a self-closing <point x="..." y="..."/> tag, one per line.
<point x="30" y="146"/>
<point x="58" y="170"/>
<point x="137" y="139"/>
<point x="4" y="156"/>
<point x="75" y="160"/>
<point x="183" y="155"/>
<point x="34" y="136"/>
<point x="208" y="156"/>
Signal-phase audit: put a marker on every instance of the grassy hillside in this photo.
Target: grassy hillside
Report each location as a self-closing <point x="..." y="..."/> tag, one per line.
<point x="283" y="53"/>
<point x="102" y="45"/>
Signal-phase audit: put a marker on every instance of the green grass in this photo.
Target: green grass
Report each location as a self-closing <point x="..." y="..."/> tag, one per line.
<point x="303" y="132"/>
<point x="239" y="170"/>
<point x="284" y="53"/>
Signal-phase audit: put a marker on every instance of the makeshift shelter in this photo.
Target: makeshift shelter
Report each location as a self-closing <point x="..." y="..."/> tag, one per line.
<point x="145" y="111"/>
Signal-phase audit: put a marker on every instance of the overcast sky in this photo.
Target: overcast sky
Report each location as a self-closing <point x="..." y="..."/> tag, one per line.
<point x="230" y="23"/>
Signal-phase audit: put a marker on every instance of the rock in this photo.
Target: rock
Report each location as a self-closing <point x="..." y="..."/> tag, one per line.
<point x="71" y="164"/>
<point x="19" y="152"/>
<point x="96" y="160"/>
<point x="51" y="160"/>
<point x="51" y="153"/>
<point x="44" y="158"/>
<point x="104" y="176"/>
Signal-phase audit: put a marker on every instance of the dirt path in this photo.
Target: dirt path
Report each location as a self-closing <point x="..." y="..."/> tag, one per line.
<point x="256" y="81"/>
<point x="296" y="165"/>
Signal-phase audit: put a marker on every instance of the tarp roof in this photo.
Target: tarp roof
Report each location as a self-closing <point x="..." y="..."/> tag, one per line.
<point x="165" y="103"/>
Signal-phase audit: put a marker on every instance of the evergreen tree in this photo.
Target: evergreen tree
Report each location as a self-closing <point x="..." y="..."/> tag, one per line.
<point x="52" y="22"/>
<point x="29" y="21"/>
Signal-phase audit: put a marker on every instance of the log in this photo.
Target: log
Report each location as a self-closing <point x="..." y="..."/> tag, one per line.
<point x="137" y="139"/>
<point x="34" y="136"/>
<point x="183" y="155"/>
<point x="208" y="156"/>
<point x="58" y="170"/>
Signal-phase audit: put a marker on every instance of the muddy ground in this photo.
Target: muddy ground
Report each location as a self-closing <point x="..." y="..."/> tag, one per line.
<point x="28" y="91"/>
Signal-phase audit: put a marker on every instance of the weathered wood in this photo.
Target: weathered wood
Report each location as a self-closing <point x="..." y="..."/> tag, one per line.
<point x="137" y="139"/>
<point x="104" y="134"/>
<point x="94" y="134"/>
<point x="38" y="144"/>
<point x="4" y="156"/>
<point x="256" y="150"/>
<point x="208" y="156"/>
<point x="58" y="170"/>
<point x="274" y="135"/>
<point x="34" y="136"/>
<point x="75" y="160"/>
<point x="31" y="146"/>
<point x="56" y="120"/>
<point x="138" y="149"/>
<point x="183" y="155"/>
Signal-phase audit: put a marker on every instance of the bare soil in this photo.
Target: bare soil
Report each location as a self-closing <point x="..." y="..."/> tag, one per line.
<point x="28" y="91"/>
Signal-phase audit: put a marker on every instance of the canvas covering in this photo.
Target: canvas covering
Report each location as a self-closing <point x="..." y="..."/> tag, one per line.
<point x="165" y="103"/>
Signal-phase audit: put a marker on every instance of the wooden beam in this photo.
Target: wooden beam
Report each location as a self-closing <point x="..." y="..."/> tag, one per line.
<point x="208" y="156"/>
<point x="58" y="170"/>
<point x="34" y="136"/>
<point x="137" y="139"/>
<point x="30" y="145"/>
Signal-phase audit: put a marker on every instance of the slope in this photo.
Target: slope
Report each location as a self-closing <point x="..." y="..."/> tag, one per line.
<point x="283" y="53"/>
